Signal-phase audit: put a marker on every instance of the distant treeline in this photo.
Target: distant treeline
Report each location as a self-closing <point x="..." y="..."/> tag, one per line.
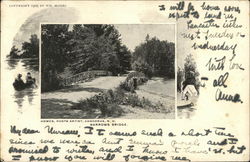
<point x="188" y="75"/>
<point x="28" y="50"/>
<point x="155" y="58"/>
<point x="80" y="48"/>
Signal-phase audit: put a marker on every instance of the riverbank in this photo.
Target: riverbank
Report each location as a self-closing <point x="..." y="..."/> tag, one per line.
<point x="59" y="104"/>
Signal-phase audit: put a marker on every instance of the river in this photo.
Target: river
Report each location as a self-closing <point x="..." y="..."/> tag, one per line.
<point x="24" y="99"/>
<point x="159" y="91"/>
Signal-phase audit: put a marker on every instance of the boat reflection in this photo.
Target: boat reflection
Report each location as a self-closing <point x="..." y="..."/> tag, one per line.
<point x="27" y="96"/>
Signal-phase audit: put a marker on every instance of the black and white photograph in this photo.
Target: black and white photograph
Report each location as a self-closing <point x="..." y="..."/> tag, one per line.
<point x="91" y="71"/>
<point x="21" y="59"/>
<point x="188" y="85"/>
<point x="124" y="81"/>
<point x="22" y="64"/>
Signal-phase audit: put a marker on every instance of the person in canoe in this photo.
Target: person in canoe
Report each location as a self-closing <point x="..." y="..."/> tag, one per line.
<point x="30" y="82"/>
<point x="18" y="83"/>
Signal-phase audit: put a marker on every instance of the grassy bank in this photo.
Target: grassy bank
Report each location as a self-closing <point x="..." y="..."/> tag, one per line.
<point x="110" y="102"/>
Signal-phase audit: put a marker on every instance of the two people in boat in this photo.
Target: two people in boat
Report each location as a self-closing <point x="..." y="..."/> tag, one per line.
<point x="20" y="85"/>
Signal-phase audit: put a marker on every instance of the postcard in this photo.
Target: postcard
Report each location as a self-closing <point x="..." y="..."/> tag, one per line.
<point x="125" y="81"/>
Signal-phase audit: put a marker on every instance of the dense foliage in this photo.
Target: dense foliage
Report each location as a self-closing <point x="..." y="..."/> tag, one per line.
<point x="189" y="75"/>
<point x="98" y="47"/>
<point x="54" y="56"/>
<point x="155" y="58"/>
<point x="191" y="72"/>
<point x="82" y="48"/>
<point x="29" y="49"/>
<point x="110" y="103"/>
<point x="14" y="53"/>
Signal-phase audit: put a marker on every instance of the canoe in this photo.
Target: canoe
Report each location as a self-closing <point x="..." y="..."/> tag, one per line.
<point x="21" y="87"/>
<point x="185" y="105"/>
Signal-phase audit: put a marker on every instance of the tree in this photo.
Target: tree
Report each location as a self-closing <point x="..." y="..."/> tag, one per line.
<point x="124" y="56"/>
<point x="86" y="47"/>
<point x="54" y="56"/>
<point x="191" y="72"/>
<point x="31" y="49"/>
<point x="155" y="58"/>
<point x="14" y="53"/>
<point x="98" y="47"/>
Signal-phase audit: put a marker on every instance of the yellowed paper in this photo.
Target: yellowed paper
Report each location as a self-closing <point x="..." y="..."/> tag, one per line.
<point x="125" y="81"/>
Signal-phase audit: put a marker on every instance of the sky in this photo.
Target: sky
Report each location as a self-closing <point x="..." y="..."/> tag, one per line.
<point x="32" y="24"/>
<point x="131" y="34"/>
<point x="134" y="34"/>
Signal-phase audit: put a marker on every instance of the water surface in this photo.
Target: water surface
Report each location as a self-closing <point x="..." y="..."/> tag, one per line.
<point x="26" y="97"/>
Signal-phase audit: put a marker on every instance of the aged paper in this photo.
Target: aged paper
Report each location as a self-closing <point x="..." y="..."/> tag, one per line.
<point x="125" y="81"/>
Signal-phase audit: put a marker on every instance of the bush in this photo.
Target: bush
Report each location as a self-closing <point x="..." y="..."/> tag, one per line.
<point x="133" y="100"/>
<point x="108" y="103"/>
<point x="129" y="84"/>
<point x="124" y="86"/>
<point x="111" y="110"/>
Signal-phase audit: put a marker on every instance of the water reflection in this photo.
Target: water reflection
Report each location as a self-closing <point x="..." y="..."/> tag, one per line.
<point x="12" y="63"/>
<point x="28" y="63"/>
<point x="32" y="64"/>
<point x="21" y="95"/>
<point x="27" y="96"/>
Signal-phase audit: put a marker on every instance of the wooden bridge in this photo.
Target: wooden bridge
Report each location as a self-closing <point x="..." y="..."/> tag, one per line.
<point x="83" y="77"/>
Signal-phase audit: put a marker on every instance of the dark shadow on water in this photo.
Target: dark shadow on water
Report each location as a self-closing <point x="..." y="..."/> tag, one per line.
<point x="20" y="95"/>
<point x="60" y="101"/>
<point x="12" y="63"/>
<point x="61" y="109"/>
<point x="28" y="63"/>
<point x="78" y="88"/>
<point x="31" y="64"/>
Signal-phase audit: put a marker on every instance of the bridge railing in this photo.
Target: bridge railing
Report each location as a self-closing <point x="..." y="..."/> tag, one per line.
<point x="84" y="76"/>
